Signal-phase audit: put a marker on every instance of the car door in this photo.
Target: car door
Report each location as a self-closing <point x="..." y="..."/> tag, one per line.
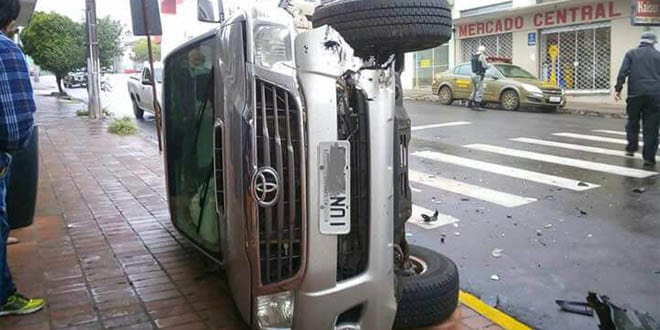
<point x="462" y="81"/>
<point x="146" y="94"/>
<point x="493" y="84"/>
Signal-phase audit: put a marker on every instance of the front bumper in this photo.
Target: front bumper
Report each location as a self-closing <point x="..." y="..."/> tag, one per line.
<point x="321" y="298"/>
<point x="543" y="100"/>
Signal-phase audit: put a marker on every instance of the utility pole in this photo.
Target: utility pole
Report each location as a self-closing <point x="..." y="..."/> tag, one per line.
<point x="93" y="66"/>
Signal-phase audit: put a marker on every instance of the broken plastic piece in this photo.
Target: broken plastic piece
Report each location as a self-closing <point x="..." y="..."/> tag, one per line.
<point x="575" y="307"/>
<point x="497" y="253"/>
<point x="494" y="277"/>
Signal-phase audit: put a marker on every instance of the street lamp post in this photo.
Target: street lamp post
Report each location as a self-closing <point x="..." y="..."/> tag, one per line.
<point x="93" y="66"/>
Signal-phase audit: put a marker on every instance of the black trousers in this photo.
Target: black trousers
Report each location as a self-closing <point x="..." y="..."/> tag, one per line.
<point x="647" y="109"/>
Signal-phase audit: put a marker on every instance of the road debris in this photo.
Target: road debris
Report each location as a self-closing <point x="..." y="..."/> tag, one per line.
<point x="539" y="233"/>
<point x="457" y="234"/>
<point x="582" y="184"/>
<point x="582" y="212"/>
<point x="639" y="190"/>
<point x="610" y="316"/>
<point x="409" y="235"/>
<point x="497" y="253"/>
<point x="590" y="236"/>
<point x="431" y="218"/>
<point x="495" y="277"/>
<point x="509" y="217"/>
<point x="455" y="224"/>
<point x="465" y="199"/>
<point x="548" y="226"/>
<point x="442" y="238"/>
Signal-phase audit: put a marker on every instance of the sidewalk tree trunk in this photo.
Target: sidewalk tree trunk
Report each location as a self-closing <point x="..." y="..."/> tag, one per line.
<point x="56" y="43"/>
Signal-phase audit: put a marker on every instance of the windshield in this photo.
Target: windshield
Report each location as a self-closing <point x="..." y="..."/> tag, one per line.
<point x="512" y="71"/>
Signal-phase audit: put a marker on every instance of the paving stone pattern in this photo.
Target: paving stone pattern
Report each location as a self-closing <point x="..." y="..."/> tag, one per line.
<point x="102" y="250"/>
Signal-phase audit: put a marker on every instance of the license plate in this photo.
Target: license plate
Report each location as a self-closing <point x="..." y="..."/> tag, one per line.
<point x="334" y="188"/>
<point x="555" y="99"/>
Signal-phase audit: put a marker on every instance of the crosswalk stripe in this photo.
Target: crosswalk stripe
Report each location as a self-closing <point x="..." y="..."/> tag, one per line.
<point x="484" y="194"/>
<point x="451" y="124"/>
<point x="587" y="165"/>
<point x="607" y="131"/>
<point x="593" y="138"/>
<point x="417" y="219"/>
<point x="578" y="147"/>
<point x="508" y="171"/>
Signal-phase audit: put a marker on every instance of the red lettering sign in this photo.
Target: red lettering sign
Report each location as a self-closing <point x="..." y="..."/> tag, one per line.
<point x="550" y="18"/>
<point x="574" y="13"/>
<point x="587" y="13"/>
<point x="463" y="30"/>
<point x="489" y="27"/>
<point x="613" y="12"/>
<point x="538" y="20"/>
<point x="498" y="26"/>
<point x="561" y="16"/>
<point x="600" y="11"/>
<point x="519" y="23"/>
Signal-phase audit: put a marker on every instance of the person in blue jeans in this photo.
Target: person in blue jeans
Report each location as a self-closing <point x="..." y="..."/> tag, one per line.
<point x="16" y="123"/>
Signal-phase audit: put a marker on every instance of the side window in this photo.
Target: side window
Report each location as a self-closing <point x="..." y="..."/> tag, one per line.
<point x="492" y="73"/>
<point x="146" y="75"/>
<point x="463" y="70"/>
<point x="189" y="122"/>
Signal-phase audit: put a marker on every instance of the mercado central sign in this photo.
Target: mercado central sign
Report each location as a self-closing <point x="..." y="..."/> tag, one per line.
<point x="545" y="17"/>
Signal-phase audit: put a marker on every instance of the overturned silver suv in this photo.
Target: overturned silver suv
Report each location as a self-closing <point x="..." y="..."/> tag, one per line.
<point x="286" y="153"/>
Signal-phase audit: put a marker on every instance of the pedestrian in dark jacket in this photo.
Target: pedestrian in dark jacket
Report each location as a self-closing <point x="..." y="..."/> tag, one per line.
<point x="16" y="124"/>
<point x="641" y="67"/>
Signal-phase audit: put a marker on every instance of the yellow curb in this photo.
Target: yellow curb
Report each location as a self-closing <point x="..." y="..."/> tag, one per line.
<point x="493" y="314"/>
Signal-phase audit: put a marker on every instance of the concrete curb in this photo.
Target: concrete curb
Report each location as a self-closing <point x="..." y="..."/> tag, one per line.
<point x="580" y="111"/>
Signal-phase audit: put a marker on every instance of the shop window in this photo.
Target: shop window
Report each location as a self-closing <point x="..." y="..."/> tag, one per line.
<point x="429" y="63"/>
<point x="577" y="58"/>
<point x="499" y="46"/>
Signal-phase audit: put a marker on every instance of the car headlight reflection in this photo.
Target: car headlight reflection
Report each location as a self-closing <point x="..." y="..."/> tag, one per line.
<point x="273" y="49"/>
<point x="532" y="89"/>
<point x="275" y="311"/>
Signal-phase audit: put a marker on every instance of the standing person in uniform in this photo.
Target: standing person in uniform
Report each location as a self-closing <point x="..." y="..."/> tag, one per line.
<point x="641" y="67"/>
<point x="479" y="67"/>
<point x="16" y="124"/>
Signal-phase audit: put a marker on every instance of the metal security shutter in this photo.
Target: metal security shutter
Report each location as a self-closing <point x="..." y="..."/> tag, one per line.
<point x="500" y="46"/>
<point x="577" y="58"/>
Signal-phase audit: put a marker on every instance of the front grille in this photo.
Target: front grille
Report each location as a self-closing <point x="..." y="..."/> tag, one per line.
<point x="353" y="249"/>
<point x="278" y="129"/>
<point x="551" y="92"/>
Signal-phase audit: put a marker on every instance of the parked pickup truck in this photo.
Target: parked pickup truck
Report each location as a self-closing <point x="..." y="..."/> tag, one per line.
<point x="139" y="88"/>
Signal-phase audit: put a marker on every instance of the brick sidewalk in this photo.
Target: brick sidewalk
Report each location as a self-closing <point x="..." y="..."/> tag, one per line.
<point x="102" y="250"/>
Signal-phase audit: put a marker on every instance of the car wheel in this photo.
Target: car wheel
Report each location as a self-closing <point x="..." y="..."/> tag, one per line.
<point x="510" y="101"/>
<point x="430" y="296"/>
<point x="139" y="113"/>
<point x="445" y="95"/>
<point x="387" y="27"/>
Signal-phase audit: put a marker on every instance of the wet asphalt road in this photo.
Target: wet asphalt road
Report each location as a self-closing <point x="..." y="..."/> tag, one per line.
<point x="564" y="244"/>
<point x="605" y="239"/>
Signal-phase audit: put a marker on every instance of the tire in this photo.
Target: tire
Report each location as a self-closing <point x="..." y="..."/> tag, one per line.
<point x="139" y="113"/>
<point x="387" y="27"/>
<point x="431" y="297"/>
<point x="446" y="96"/>
<point x="510" y="100"/>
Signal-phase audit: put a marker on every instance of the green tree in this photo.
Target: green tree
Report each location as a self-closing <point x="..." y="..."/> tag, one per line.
<point x="55" y="43"/>
<point x="110" y="34"/>
<point x="141" y="51"/>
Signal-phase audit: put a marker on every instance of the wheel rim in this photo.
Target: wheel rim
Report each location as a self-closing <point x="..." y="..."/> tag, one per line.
<point x="445" y="95"/>
<point x="420" y="266"/>
<point x="509" y="100"/>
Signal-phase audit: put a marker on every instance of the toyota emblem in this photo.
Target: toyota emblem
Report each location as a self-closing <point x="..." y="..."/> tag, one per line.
<point x="266" y="187"/>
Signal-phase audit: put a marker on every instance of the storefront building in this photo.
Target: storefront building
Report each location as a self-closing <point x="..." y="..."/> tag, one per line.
<point x="422" y="66"/>
<point x="578" y="45"/>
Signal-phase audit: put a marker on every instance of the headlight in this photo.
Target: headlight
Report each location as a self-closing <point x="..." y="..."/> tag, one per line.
<point x="532" y="89"/>
<point x="275" y="311"/>
<point x="273" y="48"/>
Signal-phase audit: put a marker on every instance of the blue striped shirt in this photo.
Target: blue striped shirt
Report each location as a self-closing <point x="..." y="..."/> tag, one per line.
<point x="16" y="97"/>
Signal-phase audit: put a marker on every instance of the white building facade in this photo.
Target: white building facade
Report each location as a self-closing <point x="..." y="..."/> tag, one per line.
<point x="576" y="44"/>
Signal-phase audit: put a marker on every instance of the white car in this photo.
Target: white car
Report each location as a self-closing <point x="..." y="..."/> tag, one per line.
<point x="140" y="90"/>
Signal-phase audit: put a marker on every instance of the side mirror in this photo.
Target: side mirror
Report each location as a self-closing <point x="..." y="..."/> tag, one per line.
<point x="146" y="82"/>
<point x="210" y="11"/>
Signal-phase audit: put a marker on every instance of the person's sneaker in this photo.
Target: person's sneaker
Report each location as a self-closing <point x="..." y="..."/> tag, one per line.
<point x="649" y="163"/>
<point x="630" y="153"/>
<point x="12" y="240"/>
<point x="18" y="304"/>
